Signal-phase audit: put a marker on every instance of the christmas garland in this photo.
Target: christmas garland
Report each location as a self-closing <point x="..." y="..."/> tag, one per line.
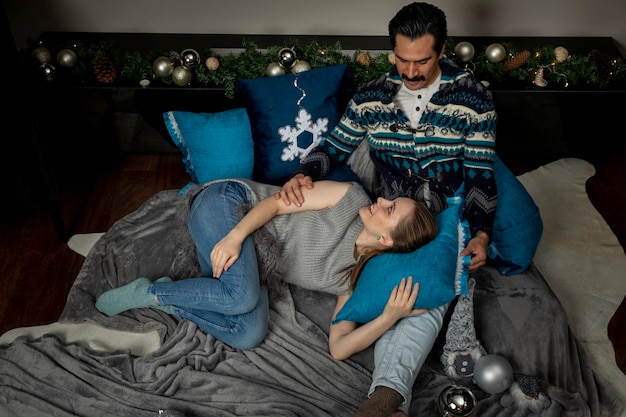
<point x="506" y="68"/>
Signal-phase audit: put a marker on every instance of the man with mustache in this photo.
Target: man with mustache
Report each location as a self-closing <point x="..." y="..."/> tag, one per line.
<point x="430" y="128"/>
<point x="416" y="78"/>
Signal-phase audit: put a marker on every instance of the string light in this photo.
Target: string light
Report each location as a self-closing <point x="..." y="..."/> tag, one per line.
<point x="540" y="81"/>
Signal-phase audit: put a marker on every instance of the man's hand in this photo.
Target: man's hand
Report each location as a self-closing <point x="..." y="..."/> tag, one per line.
<point x="291" y="192"/>
<point x="477" y="248"/>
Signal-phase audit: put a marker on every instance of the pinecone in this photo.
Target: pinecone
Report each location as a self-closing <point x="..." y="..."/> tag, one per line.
<point x="602" y="63"/>
<point x="364" y="58"/>
<point x="103" y="67"/>
<point x="516" y="60"/>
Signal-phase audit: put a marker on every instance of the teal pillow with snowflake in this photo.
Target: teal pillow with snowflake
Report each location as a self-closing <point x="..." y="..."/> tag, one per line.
<point x="289" y="114"/>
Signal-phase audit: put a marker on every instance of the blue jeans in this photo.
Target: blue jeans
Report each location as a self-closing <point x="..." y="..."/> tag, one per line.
<point x="233" y="308"/>
<point x="401" y="351"/>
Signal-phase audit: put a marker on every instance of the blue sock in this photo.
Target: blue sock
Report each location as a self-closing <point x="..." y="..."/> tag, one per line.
<point x="132" y="295"/>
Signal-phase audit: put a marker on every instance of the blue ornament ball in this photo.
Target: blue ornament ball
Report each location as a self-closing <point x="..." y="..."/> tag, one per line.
<point x="493" y="374"/>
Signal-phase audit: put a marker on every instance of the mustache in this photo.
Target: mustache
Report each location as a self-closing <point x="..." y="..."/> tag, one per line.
<point x="416" y="78"/>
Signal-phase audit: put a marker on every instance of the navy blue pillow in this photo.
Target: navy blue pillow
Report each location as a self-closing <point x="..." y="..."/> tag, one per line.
<point x="517" y="226"/>
<point x="289" y="114"/>
<point x="437" y="266"/>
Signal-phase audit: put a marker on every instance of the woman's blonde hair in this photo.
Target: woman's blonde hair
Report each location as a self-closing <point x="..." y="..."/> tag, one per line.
<point x="410" y="234"/>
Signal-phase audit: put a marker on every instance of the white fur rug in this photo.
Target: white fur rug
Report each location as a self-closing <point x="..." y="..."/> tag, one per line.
<point x="581" y="259"/>
<point x="579" y="256"/>
<point x="82" y="244"/>
<point x="95" y="336"/>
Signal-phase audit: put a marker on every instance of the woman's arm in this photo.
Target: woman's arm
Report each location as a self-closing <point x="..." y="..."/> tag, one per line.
<point x="347" y="338"/>
<point x="325" y="194"/>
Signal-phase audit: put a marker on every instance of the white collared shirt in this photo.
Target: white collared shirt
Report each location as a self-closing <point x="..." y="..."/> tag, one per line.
<point x="413" y="102"/>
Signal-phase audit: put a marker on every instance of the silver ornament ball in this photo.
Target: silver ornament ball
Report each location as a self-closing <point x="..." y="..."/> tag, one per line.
<point x="493" y="374"/>
<point x="163" y="66"/>
<point x="300" y="66"/>
<point x="181" y="76"/>
<point x="274" y="69"/>
<point x="465" y="51"/>
<point x="67" y="58"/>
<point x="48" y="71"/>
<point x="42" y="54"/>
<point x="189" y="58"/>
<point x="495" y="53"/>
<point x="286" y="58"/>
<point x="457" y="400"/>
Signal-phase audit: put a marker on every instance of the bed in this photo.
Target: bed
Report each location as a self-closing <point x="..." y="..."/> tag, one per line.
<point x="147" y="363"/>
<point x="182" y="371"/>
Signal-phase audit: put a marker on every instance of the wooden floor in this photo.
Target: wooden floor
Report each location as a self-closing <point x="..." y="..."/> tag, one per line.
<point x="37" y="269"/>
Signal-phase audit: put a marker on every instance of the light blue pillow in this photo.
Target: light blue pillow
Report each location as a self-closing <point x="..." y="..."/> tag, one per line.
<point x="214" y="145"/>
<point x="517" y="226"/>
<point x="437" y="266"/>
<point x="289" y="114"/>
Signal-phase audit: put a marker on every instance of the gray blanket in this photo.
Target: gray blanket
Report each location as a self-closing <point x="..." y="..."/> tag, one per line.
<point x="291" y="373"/>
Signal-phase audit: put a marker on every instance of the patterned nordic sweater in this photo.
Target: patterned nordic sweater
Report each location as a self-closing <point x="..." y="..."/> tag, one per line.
<point x="454" y="143"/>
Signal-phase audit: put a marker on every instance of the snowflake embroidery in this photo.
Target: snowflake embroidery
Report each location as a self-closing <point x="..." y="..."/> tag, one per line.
<point x="302" y="138"/>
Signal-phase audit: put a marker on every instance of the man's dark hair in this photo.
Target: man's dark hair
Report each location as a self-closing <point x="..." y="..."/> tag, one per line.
<point x="416" y="20"/>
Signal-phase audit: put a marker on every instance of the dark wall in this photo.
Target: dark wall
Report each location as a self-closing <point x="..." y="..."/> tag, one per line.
<point x="20" y="166"/>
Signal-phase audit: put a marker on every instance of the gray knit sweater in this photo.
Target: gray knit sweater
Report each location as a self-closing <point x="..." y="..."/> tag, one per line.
<point x="315" y="247"/>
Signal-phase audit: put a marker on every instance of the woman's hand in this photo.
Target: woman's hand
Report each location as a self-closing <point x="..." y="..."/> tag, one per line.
<point x="401" y="301"/>
<point x="224" y="254"/>
<point x="347" y="337"/>
<point x="291" y="192"/>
